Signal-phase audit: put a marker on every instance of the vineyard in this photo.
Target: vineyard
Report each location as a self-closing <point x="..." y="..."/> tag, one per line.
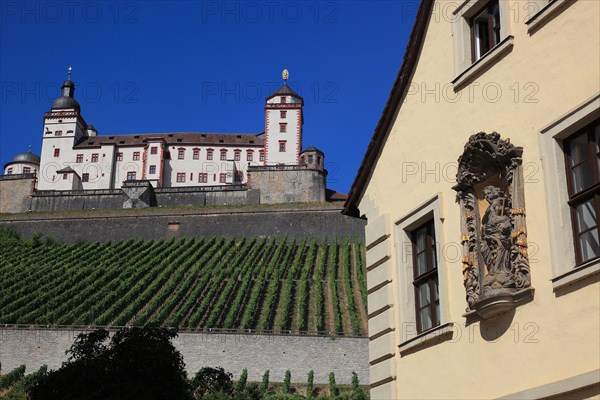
<point x="290" y="286"/>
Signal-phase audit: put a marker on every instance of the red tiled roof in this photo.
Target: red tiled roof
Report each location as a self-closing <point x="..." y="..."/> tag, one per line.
<point x="176" y="138"/>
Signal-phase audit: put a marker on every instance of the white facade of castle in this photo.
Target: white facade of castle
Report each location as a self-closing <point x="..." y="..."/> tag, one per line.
<point x="75" y="157"/>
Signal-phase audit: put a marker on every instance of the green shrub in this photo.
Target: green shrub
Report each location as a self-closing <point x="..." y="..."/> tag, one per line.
<point x="333" y="391"/>
<point x="264" y="387"/>
<point x="13" y="376"/>
<point x="309" y="384"/>
<point x="287" y="381"/>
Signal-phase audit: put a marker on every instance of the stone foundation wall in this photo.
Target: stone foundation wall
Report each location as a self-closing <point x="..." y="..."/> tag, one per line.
<point x="257" y="353"/>
<point x="321" y="221"/>
<point x="288" y="184"/>
<point x="15" y="193"/>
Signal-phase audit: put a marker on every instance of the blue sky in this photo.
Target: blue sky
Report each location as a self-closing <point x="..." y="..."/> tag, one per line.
<point x="153" y="66"/>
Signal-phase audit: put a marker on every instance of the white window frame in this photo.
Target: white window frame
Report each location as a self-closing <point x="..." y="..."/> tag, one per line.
<point x="564" y="270"/>
<point x="464" y="67"/>
<point x="430" y="210"/>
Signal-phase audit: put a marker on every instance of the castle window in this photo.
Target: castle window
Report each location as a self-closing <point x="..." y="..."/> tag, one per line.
<point x="65" y="177"/>
<point x="236" y="156"/>
<point x="583" y="178"/>
<point x="283" y="127"/>
<point x="222" y="178"/>
<point x="95" y="157"/>
<point x="318" y="160"/>
<point x="136" y="156"/>
<point x="58" y="133"/>
<point x="249" y="155"/>
<point x="119" y="156"/>
<point x="283" y="100"/>
<point x="209" y="154"/>
<point x="427" y="302"/>
<point x="181" y="154"/>
<point x="261" y="156"/>
<point x="181" y="177"/>
<point x="9" y="171"/>
<point x="282" y="144"/>
<point x="310" y="159"/>
<point x="152" y="170"/>
<point x="79" y="158"/>
<point x="282" y="114"/>
<point x="223" y="155"/>
<point x="131" y="176"/>
<point x="56" y="152"/>
<point x="196" y="154"/>
<point x="26" y="170"/>
<point x="85" y="177"/>
<point x="202" y="177"/>
<point x="485" y="30"/>
<point x="153" y="150"/>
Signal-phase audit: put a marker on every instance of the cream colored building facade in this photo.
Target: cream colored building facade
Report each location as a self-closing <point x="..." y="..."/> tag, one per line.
<point x="528" y="70"/>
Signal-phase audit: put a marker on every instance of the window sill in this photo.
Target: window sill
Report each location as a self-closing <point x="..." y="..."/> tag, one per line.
<point x="431" y="337"/>
<point x="544" y="15"/>
<point x="576" y="274"/>
<point x="484" y="62"/>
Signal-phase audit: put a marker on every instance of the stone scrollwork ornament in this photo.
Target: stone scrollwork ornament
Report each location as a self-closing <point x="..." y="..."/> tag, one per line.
<point x="495" y="263"/>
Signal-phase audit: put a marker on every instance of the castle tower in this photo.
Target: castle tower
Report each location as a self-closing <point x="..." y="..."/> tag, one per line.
<point x="283" y="126"/>
<point x="63" y="127"/>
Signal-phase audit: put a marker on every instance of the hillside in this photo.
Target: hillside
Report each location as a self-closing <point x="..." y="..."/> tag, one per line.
<point x="266" y="285"/>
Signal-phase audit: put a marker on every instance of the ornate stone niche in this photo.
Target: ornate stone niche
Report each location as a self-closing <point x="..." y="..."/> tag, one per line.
<point x="495" y="263"/>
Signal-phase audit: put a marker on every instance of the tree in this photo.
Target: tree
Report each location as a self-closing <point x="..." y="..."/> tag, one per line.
<point x="333" y="391"/>
<point x="138" y="363"/>
<point x="212" y="380"/>
<point x="287" y="381"/>
<point x="264" y="387"/>
<point x="309" y="384"/>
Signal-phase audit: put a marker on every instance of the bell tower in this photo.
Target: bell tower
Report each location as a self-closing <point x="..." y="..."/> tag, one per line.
<point x="283" y="125"/>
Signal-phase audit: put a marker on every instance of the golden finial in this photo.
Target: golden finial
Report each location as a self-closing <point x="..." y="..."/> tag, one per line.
<point x="285" y="75"/>
<point x="69" y="72"/>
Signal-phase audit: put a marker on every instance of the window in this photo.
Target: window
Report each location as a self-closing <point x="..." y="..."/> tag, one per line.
<point x="282" y="144"/>
<point x="9" y="171"/>
<point x="79" y="158"/>
<point x="485" y="30"/>
<point x="119" y="156"/>
<point x="239" y="176"/>
<point x="283" y="127"/>
<point x="181" y="154"/>
<point x="249" y="155"/>
<point x="310" y="158"/>
<point x="136" y="156"/>
<point x="152" y="170"/>
<point x="196" y="154"/>
<point x="85" y="177"/>
<point x="222" y="177"/>
<point x="202" y="177"/>
<point x="58" y="133"/>
<point x="131" y="176"/>
<point x="95" y="157"/>
<point x="56" y="152"/>
<point x="65" y="177"/>
<point x="26" y="170"/>
<point x="283" y="114"/>
<point x="153" y="150"/>
<point x="583" y="179"/>
<point x="209" y="155"/>
<point x="283" y="100"/>
<point x="427" y="302"/>
<point x="236" y="156"/>
<point x="181" y="177"/>
<point x="261" y="156"/>
<point x="223" y="155"/>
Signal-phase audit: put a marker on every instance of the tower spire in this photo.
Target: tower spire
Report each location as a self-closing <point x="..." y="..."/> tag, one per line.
<point x="69" y="72"/>
<point x="285" y="74"/>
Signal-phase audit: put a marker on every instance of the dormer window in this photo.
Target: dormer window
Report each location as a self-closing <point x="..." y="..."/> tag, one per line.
<point x="283" y="99"/>
<point x="485" y="30"/>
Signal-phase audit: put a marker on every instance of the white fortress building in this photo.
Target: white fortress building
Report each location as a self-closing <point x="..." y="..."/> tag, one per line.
<point x="75" y="157"/>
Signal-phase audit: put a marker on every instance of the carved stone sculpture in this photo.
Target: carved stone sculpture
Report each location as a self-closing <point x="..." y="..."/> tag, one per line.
<point x="494" y="236"/>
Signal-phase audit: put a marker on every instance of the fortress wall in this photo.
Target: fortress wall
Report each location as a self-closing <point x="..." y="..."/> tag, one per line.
<point x="15" y="193"/>
<point x="288" y="185"/>
<point x="326" y="222"/>
<point x="76" y="202"/>
<point x="233" y="352"/>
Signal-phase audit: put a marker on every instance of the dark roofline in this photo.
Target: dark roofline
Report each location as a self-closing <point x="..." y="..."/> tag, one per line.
<point x="393" y="103"/>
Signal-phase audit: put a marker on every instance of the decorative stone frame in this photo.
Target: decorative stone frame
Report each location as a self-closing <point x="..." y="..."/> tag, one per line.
<point x="495" y="262"/>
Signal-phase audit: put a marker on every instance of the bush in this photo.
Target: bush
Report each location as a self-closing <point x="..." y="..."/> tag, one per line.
<point x="309" y="384"/>
<point x="264" y="387"/>
<point x="287" y="381"/>
<point x="333" y="391"/>
<point x="212" y="381"/>
<point x="12" y="377"/>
